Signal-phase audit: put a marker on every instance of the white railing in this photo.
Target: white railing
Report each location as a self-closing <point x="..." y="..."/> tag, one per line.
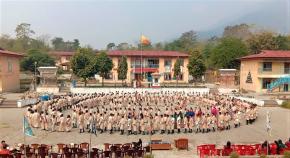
<point x="130" y="90"/>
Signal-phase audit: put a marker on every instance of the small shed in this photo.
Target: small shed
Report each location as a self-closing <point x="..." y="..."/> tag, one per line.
<point x="227" y="77"/>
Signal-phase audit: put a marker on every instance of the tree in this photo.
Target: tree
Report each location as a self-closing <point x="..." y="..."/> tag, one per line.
<point x="188" y="40"/>
<point x="23" y="31"/>
<point x="105" y="65"/>
<point x="58" y="43"/>
<point x="36" y="56"/>
<point x="6" y="42"/>
<point x="76" y="44"/>
<point x="159" y="46"/>
<point x="184" y="43"/>
<point x="122" y="69"/>
<point x="83" y="64"/>
<point x="23" y="37"/>
<point x="264" y="40"/>
<point x="241" y="31"/>
<point x="227" y="52"/>
<point x="196" y="66"/>
<point x="123" y="46"/>
<point x="283" y="42"/>
<point x="177" y="70"/>
<point x="110" y="46"/>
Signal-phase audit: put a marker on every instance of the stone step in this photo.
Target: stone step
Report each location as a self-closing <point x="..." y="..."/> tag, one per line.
<point x="270" y="103"/>
<point x="9" y="104"/>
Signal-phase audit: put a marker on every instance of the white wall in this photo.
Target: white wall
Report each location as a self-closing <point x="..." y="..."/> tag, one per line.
<point x="251" y="100"/>
<point x="107" y="90"/>
<point x="53" y="90"/>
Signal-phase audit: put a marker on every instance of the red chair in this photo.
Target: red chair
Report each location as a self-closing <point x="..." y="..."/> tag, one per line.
<point x="201" y="147"/>
<point x="241" y="152"/>
<point x="211" y="146"/>
<point x="273" y="149"/>
<point x="258" y="146"/>
<point x="250" y="151"/>
<point x="262" y="151"/>
<point x="227" y="152"/>
<point x="204" y="152"/>
<point x="216" y="152"/>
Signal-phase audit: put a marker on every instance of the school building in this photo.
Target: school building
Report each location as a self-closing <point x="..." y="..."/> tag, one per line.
<point x="62" y="59"/>
<point x="269" y="68"/>
<point x="149" y="68"/>
<point x="9" y="71"/>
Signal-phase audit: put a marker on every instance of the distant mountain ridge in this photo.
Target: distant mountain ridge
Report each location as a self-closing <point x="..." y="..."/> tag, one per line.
<point x="272" y="18"/>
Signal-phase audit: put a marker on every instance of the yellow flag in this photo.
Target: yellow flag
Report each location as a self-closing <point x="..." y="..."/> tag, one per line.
<point x="144" y="40"/>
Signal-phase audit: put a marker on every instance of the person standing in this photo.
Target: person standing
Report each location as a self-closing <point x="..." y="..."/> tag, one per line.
<point x="122" y="125"/>
<point x="81" y="122"/>
<point x="62" y="125"/>
<point x="68" y="123"/>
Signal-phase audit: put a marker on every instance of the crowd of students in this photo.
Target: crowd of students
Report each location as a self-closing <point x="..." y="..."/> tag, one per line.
<point x="141" y="113"/>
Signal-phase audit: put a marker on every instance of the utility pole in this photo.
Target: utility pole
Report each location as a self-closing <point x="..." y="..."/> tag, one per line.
<point x="35" y="63"/>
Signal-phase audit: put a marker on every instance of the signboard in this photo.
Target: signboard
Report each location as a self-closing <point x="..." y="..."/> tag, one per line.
<point x="278" y="82"/>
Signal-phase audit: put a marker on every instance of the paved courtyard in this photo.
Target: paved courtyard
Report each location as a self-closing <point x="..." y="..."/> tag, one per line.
<point x="11" y="131"/>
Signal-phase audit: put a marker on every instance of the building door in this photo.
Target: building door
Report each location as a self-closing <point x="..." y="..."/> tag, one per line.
<point x="286" y="88"/>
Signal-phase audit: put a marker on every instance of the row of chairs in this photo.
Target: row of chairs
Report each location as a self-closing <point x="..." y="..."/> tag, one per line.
<point x="78" y="150"/>
<point x="211" y="150"/>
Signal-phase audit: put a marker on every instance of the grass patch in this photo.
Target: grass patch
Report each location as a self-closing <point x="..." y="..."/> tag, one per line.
<point x="286" y="104"/>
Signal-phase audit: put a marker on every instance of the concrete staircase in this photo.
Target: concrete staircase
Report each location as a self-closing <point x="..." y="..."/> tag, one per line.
<point x="9" y="104"/>
<point x="270" y="103"/>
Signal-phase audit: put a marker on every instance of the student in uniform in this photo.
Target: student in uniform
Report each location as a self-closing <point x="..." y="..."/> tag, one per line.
<point x="68" y="123"/>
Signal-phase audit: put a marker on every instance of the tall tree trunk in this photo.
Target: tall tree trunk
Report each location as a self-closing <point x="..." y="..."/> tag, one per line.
<point x="102" y="81"/>
<point x="85" y="82"/>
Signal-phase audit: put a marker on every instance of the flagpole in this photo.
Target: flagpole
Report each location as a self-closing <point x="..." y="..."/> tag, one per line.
<point x="24" y="138"/>
<point x="141" y="61"/>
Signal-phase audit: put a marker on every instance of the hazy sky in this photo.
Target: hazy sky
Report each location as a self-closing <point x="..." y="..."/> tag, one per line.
<point x="99" y="22"/>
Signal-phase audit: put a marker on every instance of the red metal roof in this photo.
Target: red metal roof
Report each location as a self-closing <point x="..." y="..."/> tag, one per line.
<point x="147" y="53"/>
<point x="139" y="70"/>
<point x="62" y="53"/>
<point x="6" y="52"/>
<point x="266" y="54"/>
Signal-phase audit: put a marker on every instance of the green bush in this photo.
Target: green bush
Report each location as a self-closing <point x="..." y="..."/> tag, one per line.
<point x="263" y="156"/>
<point x="234" y="155"/>
<point x="286" y="104"/>
<point x="286" y="154"/>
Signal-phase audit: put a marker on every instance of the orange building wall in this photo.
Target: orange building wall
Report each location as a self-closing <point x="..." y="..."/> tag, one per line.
<point x="9" y="80"/>
<point x="160" y="70"/>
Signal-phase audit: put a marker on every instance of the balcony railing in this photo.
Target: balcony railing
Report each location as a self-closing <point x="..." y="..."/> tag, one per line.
<point x="145" y="65"/>
<point x="274" y="71"/>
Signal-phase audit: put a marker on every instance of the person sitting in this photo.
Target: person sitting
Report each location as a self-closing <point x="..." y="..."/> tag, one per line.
<point x="264" y="147"/>
<point x="227" y="149"/>
<point x="288" y="143"/>
<point x="228" y="145"/>
<point x="280" y="146"/>
<point x="4" y="150"/>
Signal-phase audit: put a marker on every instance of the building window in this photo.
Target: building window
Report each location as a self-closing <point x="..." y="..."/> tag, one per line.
<point x="287" y="68"/>
<point x="167" y="76"/>
<point x="266" y="82"/>
<point x="167" y="62"/>
<point x="152" y="63"/>
<point x="9" y="65"/>
<point x="267" y="66"/>
<point x="136" y="63"/>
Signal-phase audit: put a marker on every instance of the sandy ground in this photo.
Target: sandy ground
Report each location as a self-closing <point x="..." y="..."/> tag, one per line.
<point x="11" y="131"/>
